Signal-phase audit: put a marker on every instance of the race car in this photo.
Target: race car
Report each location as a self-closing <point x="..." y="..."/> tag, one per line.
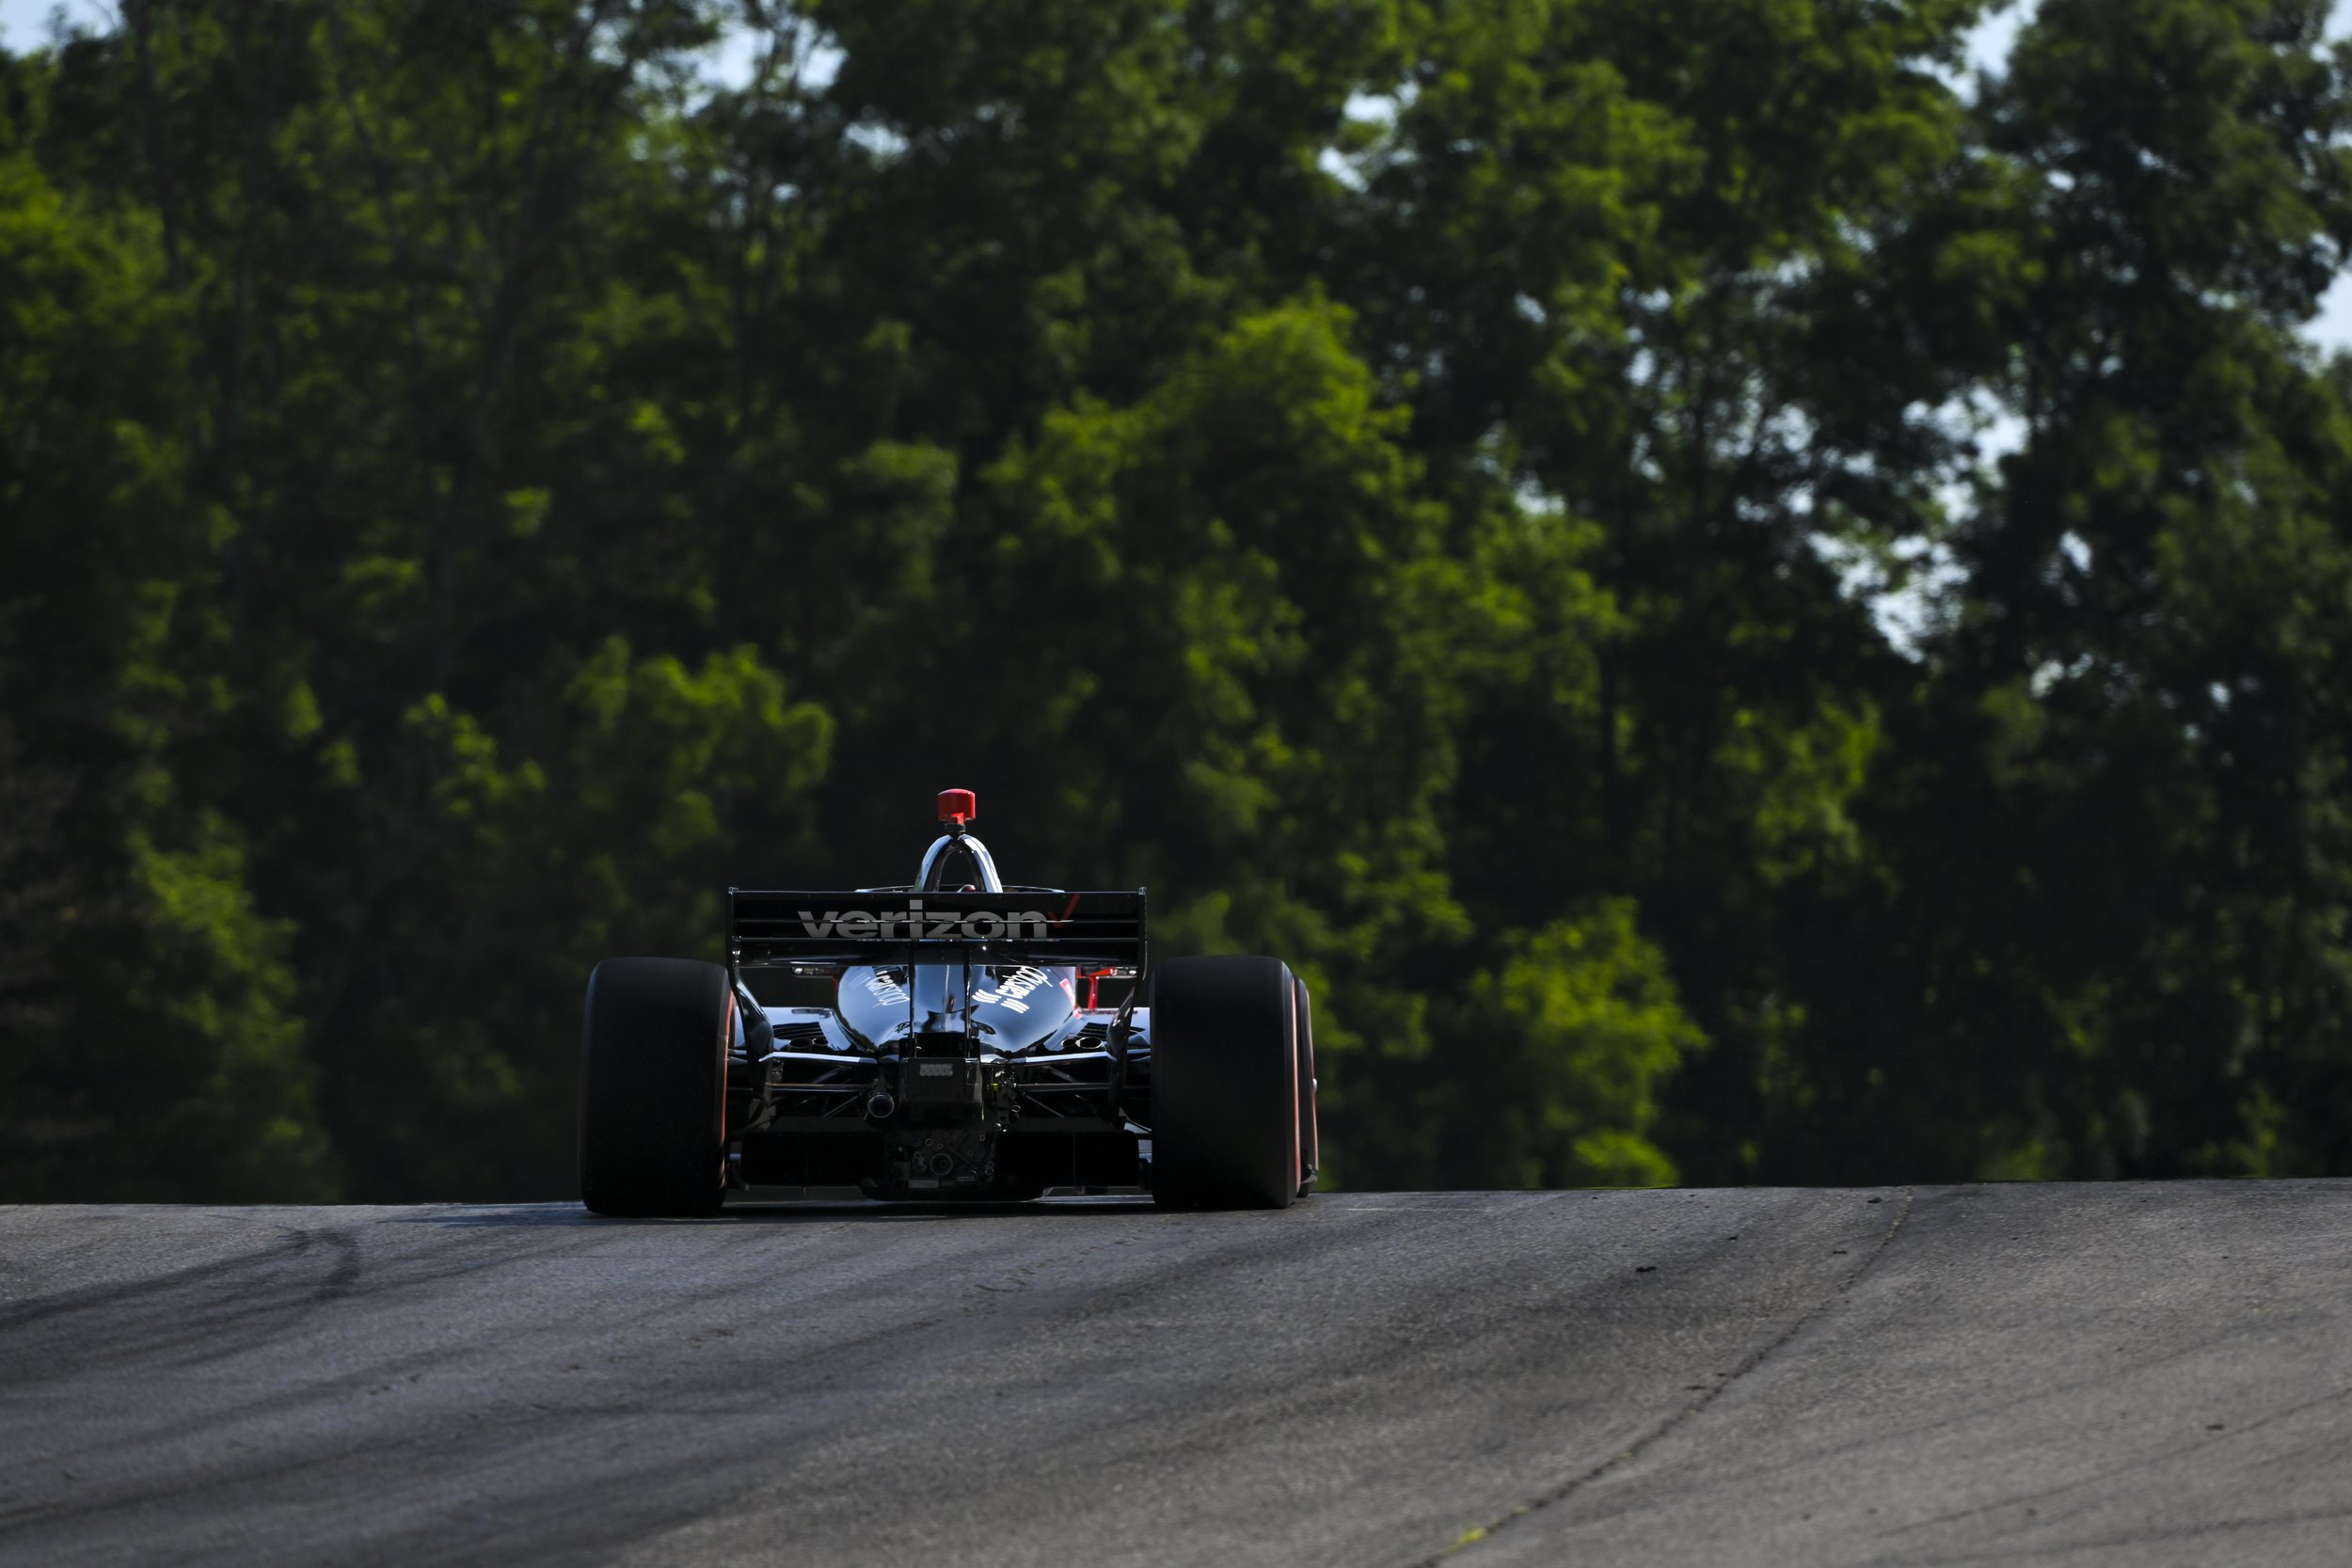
<point x="968" y="1053"/>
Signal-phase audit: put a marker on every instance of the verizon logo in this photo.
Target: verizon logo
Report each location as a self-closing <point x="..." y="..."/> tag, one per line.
<point x="915" y="924"/>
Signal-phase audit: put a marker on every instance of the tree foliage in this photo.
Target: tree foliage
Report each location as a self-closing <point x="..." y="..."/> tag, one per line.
<point x="1744" y="607"/>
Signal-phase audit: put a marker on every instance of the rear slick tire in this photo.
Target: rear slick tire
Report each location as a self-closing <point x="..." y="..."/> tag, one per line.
<point x="653" y="1078"/>
<point x="1225" y="1084"/>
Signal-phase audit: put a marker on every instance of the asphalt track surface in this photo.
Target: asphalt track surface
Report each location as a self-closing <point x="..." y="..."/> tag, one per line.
<point x="2127" y="1376"/>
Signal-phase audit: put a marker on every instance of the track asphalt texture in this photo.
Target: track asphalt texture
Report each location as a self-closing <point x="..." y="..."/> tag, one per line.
<point x="2137" y="1376"/>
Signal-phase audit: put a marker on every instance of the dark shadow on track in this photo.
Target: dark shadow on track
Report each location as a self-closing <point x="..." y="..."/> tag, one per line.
<point x="754" y="1211"/>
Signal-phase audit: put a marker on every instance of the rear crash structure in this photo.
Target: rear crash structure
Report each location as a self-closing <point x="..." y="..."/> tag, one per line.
<point x="968" y="1052"/>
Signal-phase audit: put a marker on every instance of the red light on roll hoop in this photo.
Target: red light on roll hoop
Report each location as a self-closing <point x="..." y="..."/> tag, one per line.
<point x="958" y="807"/>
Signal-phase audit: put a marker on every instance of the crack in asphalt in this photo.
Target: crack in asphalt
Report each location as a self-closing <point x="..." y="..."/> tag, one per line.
<point x="1683" y="1413"/>
<point x="2195" y="1445"/>
<point x="2167" y="1535"/>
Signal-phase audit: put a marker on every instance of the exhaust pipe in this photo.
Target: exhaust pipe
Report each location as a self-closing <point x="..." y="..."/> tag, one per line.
<point x="878" y="1106"/>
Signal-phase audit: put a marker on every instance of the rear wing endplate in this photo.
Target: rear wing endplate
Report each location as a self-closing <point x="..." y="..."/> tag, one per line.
<point x="767" y="928"/>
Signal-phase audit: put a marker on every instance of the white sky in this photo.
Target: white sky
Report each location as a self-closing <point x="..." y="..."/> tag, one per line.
<point x="23" y="23"/>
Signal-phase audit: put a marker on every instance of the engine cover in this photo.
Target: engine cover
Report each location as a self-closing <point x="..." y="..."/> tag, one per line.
<point x="1007" y="1008"/>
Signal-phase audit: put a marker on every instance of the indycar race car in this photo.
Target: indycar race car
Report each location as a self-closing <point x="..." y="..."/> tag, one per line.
<point x="968" y="1054"/>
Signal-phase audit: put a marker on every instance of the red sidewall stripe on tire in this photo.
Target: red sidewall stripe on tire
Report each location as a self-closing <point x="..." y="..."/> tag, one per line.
<point x="1290" y="1006"/>
<point x="1303" y="1071"/>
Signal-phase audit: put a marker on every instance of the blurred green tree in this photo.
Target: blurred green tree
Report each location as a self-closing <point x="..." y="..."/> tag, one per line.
<point x="154" y="1045"/>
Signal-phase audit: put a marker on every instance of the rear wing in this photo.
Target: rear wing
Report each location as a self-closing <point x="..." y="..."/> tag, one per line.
<point x="769" y="928"/>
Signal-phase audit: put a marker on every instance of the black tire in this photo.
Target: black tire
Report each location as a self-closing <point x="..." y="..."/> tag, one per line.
<point x="1309" y="1133"/>
<point x="653" y="1078"/>
<point x="1224" y="1084"/>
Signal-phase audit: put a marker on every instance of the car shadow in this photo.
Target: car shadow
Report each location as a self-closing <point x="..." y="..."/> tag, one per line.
<point x="752" y="1209"/>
